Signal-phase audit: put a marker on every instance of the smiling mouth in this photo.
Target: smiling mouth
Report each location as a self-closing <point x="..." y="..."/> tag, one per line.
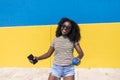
<point x="64" y="31"/>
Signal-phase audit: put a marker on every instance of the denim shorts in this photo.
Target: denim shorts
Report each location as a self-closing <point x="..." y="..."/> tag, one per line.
<point x="62" y="71"/>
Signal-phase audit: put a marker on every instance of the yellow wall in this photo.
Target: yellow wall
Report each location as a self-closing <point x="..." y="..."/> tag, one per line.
<point x="100" y="43"/>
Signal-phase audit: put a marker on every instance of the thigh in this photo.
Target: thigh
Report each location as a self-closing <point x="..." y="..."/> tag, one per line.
<point x="68" y="71"/>
<point x="51" y="77"/>
<point x="56" y="71"/>
<point x="69" y="78"/>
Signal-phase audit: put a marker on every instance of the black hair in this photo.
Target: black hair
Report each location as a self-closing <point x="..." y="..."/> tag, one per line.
<point x="74" y="34"/>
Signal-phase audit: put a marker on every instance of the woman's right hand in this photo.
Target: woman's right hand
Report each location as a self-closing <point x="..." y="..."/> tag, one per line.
<point x="31" y="61"/>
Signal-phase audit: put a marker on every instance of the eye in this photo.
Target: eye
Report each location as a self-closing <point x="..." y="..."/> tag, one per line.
<point x="68" y="27"/>
<point x="63" y="25"/>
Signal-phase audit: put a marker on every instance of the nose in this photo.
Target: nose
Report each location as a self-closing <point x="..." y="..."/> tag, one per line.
<point x="64" y="28"/>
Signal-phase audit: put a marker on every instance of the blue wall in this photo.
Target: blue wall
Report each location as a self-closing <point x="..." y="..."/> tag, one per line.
<point x="46" y="12"/>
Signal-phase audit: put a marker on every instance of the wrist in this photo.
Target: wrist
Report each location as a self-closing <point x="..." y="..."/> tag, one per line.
<point x="37" y="58"/>
<point x="79" y="58"/>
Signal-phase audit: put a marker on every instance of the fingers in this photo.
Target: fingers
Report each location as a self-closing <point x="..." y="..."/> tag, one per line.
<point x="36" y="58"/>
<point x="31" y="61"/>
<point x="78" y="63"/>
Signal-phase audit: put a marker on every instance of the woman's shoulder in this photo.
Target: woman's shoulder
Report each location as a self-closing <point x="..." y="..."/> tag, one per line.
<point x="57" y="38"/>
<point x="76" y="43"/>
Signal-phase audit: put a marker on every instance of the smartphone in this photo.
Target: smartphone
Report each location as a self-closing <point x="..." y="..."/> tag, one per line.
<point x="31" y="57"/>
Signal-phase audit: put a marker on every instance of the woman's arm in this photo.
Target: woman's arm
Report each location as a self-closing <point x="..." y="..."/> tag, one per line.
<point x="46" y="55"/>
<point x="79" y="51"/>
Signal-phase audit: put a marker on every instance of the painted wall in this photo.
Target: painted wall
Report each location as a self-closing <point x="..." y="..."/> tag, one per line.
<point x="29" y="27"/>
<point x="100" y="43"/>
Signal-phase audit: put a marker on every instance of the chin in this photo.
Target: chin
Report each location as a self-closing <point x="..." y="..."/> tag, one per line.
<point x="64" y="34"/>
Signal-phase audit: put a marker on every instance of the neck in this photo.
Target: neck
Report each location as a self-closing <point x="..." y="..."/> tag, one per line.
<point x="64" y="36"/>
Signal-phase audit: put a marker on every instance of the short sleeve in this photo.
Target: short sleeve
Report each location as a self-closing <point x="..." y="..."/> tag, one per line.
<point x="52" y="43"/>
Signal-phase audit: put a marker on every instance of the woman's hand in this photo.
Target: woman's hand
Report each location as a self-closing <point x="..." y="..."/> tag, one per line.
<point x="78" y="62"/>
<point x="31" y="61"/>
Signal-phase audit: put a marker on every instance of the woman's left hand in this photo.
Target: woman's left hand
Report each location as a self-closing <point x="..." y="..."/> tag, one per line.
<point x="78" y="62"/>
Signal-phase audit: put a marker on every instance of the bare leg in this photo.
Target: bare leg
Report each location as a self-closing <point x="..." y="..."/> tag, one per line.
<point x="51" y="77"/>
<point x="69" y="78"/>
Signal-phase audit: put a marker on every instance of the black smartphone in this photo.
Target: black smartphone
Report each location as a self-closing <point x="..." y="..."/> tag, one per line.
<point x="31" y="57"/>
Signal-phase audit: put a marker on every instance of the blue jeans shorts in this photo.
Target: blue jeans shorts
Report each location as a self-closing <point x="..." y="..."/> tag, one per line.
<point x="62" y="71"/>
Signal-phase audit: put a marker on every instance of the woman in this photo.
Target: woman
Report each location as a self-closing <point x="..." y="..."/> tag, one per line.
<point x="67" y="38"/>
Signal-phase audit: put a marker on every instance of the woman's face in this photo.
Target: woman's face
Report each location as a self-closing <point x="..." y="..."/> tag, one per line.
<point x="65" y="28"/>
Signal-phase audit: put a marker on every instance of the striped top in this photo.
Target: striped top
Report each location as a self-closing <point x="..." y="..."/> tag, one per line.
<point x="63" y="51"/>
